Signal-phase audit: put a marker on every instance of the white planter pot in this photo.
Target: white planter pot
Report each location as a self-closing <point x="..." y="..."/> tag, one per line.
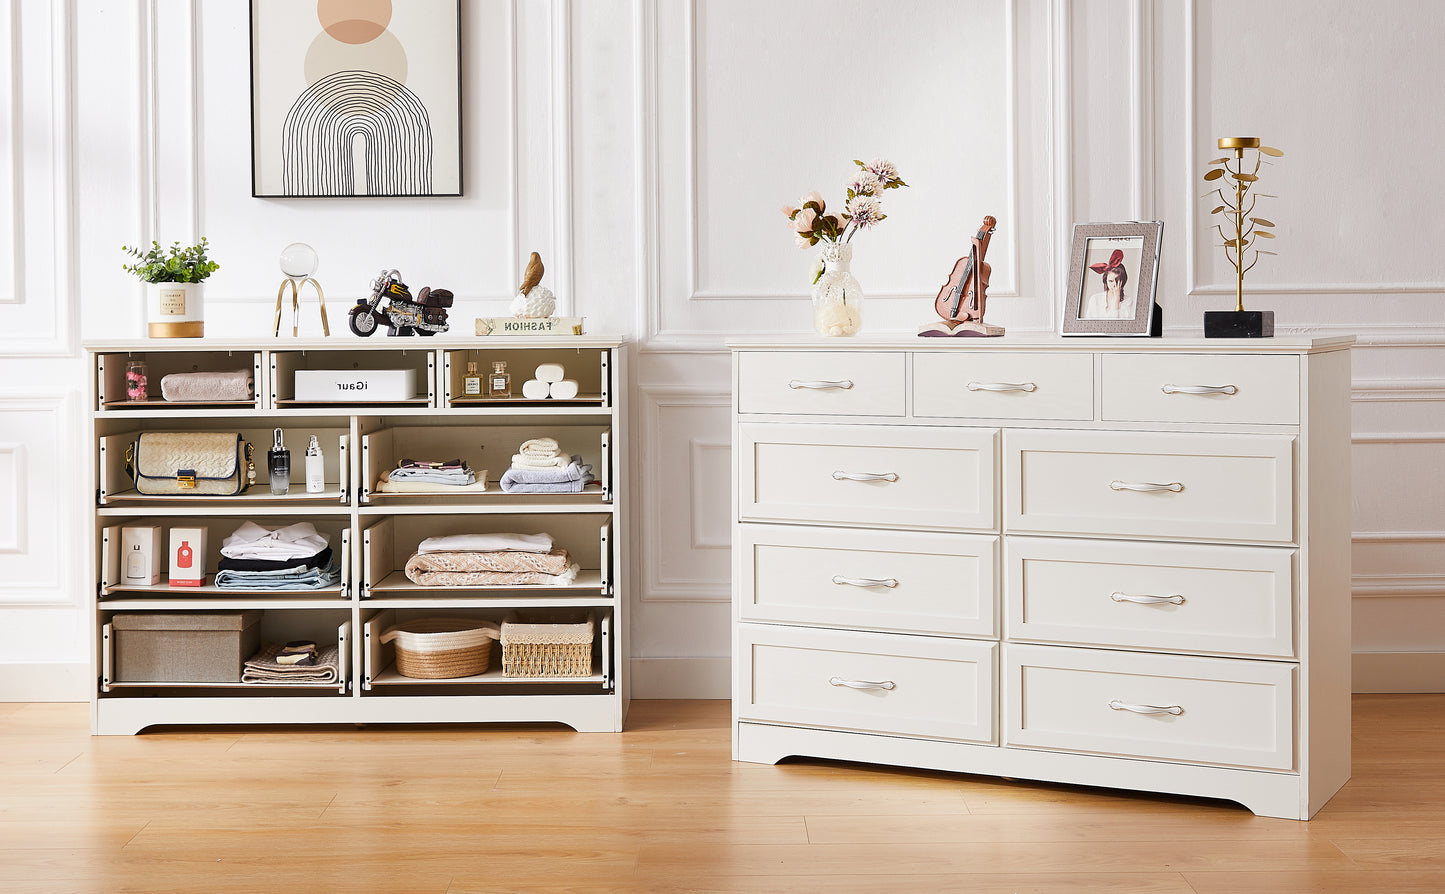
<point x="175" y="310"/>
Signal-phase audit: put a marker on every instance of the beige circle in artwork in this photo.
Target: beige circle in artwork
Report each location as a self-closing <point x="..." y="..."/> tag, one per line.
<point x="384" y="55"/>
<point x="354" y="21"/>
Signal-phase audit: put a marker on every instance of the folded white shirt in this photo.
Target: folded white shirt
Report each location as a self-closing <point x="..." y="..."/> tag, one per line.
<point x="251" y="541"/>
<point x="480" y="543"/>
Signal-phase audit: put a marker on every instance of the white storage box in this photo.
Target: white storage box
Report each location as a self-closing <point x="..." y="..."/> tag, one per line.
<point x="355" y="385"/>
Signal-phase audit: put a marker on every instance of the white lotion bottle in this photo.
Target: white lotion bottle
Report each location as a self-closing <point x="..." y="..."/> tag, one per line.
<point x="315" y="468"/>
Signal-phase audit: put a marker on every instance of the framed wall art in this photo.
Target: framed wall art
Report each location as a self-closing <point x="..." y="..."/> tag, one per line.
<point x="1113" y="272"/>
<point x="356" y="98"/>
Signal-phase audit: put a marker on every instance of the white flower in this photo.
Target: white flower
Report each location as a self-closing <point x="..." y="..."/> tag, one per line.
<point x="866" y="212"/>
<point x="883" y="168"/>
<point x="817" y="267"/>
<point x="865" y="183"/>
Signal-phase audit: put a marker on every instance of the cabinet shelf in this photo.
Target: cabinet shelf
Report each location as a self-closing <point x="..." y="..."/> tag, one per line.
<point x="359" y="439"/>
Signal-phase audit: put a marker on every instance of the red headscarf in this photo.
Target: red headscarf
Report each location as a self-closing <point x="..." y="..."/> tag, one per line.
<point x="1115" y="260"/>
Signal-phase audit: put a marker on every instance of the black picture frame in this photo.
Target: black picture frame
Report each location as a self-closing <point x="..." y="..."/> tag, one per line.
<point x="318" y="88"/>
<point x="1127" y="251"/>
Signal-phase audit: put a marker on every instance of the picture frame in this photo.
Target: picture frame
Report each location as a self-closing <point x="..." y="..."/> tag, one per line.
<point x="356" y="100"/>
<point x="1113" y="275"/>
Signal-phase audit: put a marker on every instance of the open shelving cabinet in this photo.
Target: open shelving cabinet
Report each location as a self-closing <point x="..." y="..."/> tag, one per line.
<point x="371" y="533"/>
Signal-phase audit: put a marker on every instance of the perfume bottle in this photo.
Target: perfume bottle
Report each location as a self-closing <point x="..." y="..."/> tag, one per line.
<point x="278" y="465"/>
<point x="315" y="468"/>
<point x="499" y="383"/>
<point x="135" y="380"/>
<point x="472" y="381"/>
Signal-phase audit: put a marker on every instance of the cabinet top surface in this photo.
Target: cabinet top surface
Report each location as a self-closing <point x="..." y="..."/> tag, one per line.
<point x="1283" y="345"/>
<point x="350" y="343"/>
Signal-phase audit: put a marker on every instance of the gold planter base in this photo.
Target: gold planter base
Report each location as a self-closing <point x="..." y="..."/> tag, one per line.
<point x="192" y="329"/>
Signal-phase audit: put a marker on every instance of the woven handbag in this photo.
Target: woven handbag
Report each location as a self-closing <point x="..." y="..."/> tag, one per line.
<point x="199" y="463"/>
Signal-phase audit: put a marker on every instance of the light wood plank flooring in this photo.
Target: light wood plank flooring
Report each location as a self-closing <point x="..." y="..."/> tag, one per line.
<point x="662" y="807"/>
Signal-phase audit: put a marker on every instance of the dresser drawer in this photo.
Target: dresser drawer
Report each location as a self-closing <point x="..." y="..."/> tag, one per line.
<point x="872" y="682"/>
<point x="1003" y="385"/>
<point x="832" y="383"/>
<point x="1262" y="389"/>
<point x="897" y="581"/>
<point x="1150" y="484"/>
<point x="1201" y="710"/>
<point x="1175" y="596"/>
<point x="867" y="475"/>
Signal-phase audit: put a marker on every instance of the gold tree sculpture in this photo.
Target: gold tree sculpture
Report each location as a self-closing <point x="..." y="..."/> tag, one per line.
<point x="1237" y="206"/>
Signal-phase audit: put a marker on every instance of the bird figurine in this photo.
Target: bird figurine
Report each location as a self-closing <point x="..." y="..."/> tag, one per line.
<point x="533" y="301"/>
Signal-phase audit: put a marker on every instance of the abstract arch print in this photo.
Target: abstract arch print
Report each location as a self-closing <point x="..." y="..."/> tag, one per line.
<point x="355" y="98"/>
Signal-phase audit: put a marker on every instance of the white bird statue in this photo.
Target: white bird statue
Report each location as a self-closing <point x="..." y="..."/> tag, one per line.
<point x="533" y="301"/>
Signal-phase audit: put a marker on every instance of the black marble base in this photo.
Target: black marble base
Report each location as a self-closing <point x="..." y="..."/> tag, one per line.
<point x="1239" y="324"/>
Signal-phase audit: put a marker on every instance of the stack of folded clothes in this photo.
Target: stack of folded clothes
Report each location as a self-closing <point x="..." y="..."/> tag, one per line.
<point x="295" y="557"/>
<point x="479" y="560"/>
<point x="540" y="468"/>
<point x="299" y="661"/>
<point x="431" y="477"/>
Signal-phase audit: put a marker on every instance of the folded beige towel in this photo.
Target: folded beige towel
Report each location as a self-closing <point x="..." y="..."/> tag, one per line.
<point x="214" y="385"/>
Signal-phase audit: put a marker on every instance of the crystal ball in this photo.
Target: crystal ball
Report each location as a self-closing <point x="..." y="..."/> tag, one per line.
<point x="298" y="260"/>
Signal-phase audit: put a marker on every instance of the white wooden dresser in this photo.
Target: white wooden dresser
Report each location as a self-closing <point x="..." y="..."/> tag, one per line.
<point x="1111" y="562"/>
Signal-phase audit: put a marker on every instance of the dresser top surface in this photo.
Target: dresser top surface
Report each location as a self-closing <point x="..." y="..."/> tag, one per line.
<point x="350" y="343"/>
<point x="1282" y="345"/>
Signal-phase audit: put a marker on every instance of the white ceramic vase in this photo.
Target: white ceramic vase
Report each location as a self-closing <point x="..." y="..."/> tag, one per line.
<point x="175" y="310"/>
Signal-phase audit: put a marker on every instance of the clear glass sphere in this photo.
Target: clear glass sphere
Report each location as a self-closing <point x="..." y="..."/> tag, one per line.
<point x="298" y="260"/>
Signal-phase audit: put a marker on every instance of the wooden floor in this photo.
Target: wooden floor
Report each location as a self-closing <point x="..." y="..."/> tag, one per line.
<point x="662" y="807"/>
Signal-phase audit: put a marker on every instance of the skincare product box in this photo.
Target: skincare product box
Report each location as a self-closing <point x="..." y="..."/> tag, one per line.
<point x="355" y="385"/>
<point x="188" y="557"/>
<point x="140" y="555"/>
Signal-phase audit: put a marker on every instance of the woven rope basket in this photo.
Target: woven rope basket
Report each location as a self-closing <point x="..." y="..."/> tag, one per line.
<point x="438" y="648"/>
<point x="547" y="650"/>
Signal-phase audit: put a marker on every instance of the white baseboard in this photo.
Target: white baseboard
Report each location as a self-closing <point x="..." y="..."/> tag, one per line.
<point x="1399" y="672"/>
<point x="681" y="677"/>
<point x="57" y="682"/>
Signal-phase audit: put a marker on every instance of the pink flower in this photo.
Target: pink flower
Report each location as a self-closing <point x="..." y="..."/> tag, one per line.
<point x="789" y="211"/>
<point x="865" y="211"/>
<point x="883" y="168"/>
<point x="803" y="223"/>
<point x="815" y="198"/>
<point x="865" y="183"/>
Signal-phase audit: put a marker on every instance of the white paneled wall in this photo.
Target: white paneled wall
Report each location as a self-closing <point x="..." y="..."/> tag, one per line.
<point x="644" y="147"/>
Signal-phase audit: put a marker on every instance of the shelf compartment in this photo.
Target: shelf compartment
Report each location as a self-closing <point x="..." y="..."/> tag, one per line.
<point x="285" y="364"/>
<point x="115" y="485"/>
<point x="111" y="386"/>
<point x="112" y="582"/>
<point x="590" y="368"/>
<point x="487" y="449"/>
<point x="387" y="545"/>
<point x="379" y="659"/>
<point x="277" y="625"/>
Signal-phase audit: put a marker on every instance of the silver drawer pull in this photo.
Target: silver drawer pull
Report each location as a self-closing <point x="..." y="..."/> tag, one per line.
<point x="1143" y="487"/>
<point x="1001" y="386"/>
<point x="889" y="582"/>
<point x="840" y="475"/>
<point x="1117" y="705"/>
<point x="840" y="385"/>
<point x="861" y="684"/>
<point x="1146" y="598"/>
<point x="1199" y="389"/>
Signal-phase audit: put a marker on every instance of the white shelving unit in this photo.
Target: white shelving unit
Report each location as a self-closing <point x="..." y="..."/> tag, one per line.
<point x="372" y="534"/>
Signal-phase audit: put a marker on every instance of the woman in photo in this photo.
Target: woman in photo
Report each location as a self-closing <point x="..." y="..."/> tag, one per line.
<point x="1112" y="303"/>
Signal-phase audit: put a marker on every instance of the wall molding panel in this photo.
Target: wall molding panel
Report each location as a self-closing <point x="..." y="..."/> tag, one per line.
<point x="12" y="226"/>
<point x="39" y="509"/>
<point x="13" y="481"/>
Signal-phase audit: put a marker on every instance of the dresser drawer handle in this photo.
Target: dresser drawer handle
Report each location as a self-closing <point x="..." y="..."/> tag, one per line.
<point x="1117" y="705"/>
<point x="1199" y="389"/>
<point x="840" y="475"/>
<point x="840" y="385"/>
<point x="889" y="582"/>
<point x="861" y="684"/>
<point x="1146" y="598"/>
<point x="1143" y="487"/>
<point x="1001" y="386"/>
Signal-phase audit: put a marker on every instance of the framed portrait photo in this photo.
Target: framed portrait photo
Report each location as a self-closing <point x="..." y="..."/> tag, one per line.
<point x="356" y="98"/>
<point x="1113" y="272"/>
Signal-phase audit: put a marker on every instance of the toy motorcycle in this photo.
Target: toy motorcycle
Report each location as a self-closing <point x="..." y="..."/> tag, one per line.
<point x="392" y="303"/>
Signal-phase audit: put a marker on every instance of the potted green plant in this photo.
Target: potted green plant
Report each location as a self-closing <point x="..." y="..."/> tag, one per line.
<point x="175" y="304"/>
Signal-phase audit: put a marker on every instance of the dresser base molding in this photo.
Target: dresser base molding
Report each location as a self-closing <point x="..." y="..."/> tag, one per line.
<point x="1281" y="795"/>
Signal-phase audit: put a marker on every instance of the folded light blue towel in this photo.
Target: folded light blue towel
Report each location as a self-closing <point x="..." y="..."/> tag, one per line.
<point x="569" y="479"/>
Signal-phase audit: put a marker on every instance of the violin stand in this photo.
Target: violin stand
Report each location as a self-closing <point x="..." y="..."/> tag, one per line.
<point x="959" y="329"/>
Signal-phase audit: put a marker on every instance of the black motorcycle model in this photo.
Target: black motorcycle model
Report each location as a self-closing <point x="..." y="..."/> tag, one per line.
<point x="392" y="304"/>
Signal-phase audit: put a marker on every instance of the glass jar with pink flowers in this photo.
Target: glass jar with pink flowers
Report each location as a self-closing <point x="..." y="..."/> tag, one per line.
<point x="837" y="297"/>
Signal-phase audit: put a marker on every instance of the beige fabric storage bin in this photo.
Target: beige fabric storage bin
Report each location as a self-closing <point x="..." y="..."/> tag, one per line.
<point x="189" y="647"/>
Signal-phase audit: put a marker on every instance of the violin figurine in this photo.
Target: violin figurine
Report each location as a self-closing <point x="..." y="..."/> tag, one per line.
<point x="964" y="297"/>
